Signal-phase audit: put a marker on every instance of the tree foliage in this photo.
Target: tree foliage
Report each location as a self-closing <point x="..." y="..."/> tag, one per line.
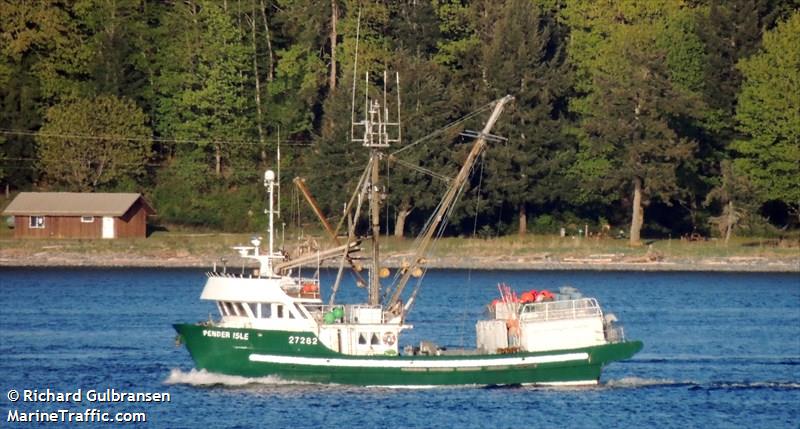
<point x="768" y="113"/>
<point x="632" y="117"/>
<point x="93" y="144"/>
<point x="683" y="98"/>
<point x="525" y="55"/>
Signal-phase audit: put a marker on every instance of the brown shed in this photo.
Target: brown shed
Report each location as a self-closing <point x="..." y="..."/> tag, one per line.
<point x="79" y="215"/>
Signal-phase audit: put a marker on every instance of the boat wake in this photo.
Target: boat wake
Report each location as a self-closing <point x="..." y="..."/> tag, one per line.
<point x="637" y="382"/>
<point x="203" y="378"/>
<point x="634" y="382"/>
<point x="717" y="360"/>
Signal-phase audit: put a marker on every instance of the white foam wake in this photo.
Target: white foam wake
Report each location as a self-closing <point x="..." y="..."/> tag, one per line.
<point x="634" y="382"/>
<point x="641" y="382"/>
<point x="202" y="377"/>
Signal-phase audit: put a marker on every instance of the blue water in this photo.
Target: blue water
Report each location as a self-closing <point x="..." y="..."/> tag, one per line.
<point x="721" y="350"/>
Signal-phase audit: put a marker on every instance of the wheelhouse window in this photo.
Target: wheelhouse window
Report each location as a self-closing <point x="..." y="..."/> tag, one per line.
<point x="36" y="222"/>
<point x="255" y="309"/>
<point x="279" y="311"/>
<point x="87" y="219"/>
<point x="239" y="309"/>
<point x="300" y="312"/>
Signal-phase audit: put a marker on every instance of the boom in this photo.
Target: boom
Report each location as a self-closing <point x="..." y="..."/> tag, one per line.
<point x="447" y="201"/>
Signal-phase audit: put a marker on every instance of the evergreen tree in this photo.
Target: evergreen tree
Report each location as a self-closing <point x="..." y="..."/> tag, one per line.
<point x="293" y="95"/>
<point x="202" y="96"/>
<point x="525" y="57"/>
<point x="731" y="30"/>
<point x="425" y="110"/>
<point x="32" y="36"/>
<point x="113" y="32"/>
<point x="335" y="162"/>
<point x="631" y="120"/>
<point x="204" y="105"/>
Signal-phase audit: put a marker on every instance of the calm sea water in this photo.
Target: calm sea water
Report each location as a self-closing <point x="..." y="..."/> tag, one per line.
<point x="721" y="350"/>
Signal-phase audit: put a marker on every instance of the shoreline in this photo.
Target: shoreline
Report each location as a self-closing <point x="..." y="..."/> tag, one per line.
<point x="517" y="263"/>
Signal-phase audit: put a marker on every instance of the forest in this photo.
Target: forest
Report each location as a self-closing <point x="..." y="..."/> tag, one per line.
<point x="658" y="118"/>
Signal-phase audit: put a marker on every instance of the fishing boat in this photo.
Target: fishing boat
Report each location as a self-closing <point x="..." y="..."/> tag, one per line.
<point x="274" y="322"/>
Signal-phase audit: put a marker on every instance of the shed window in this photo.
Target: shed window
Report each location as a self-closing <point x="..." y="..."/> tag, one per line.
<point x="87" y="219"/>
<point x="36" y="222"/>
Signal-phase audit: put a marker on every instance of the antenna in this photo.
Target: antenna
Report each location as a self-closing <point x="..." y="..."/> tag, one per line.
<point x="385" y="111"/>
<point x="269" y="183"/>
<point x="376" y="120"/>
<point x="399" y="122"/>
<point x="355" y="73"/>
<point x="279" y="171"/>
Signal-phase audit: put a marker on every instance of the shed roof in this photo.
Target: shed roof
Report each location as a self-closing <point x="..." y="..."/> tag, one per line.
<point x="74" y="204"/>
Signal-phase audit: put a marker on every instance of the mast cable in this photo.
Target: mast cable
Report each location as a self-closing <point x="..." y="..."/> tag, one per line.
<point x="474" y="234"/>
<point x="446" y="127"/>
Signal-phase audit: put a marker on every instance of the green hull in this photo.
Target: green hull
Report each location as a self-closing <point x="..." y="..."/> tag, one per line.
<point x="256" y="353"/>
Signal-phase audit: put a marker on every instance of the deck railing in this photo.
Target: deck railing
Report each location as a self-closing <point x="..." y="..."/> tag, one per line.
<point x="350" y="313"/>
<point x="561" y="310"/>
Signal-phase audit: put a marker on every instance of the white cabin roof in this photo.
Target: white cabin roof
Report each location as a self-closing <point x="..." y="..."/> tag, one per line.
<point x="242" y="289"/>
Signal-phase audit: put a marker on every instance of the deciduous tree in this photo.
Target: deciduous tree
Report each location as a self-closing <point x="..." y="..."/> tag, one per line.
<point x="768" y="113"/>
<point x="92" y="144"/>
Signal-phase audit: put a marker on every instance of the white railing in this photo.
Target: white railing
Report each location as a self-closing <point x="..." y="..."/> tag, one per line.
<point x="352" y="313"/>
<point x="560" y="310"/>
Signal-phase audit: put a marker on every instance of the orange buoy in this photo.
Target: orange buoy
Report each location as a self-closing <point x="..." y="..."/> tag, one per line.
<point x="527" y="297"/>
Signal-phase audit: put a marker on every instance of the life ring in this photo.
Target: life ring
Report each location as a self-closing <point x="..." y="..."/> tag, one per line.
<point x="389" y="338"/>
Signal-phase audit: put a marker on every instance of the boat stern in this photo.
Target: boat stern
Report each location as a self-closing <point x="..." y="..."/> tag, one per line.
<point x="614" y="352"/>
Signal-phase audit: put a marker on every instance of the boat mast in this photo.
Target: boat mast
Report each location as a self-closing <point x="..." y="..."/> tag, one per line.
<point x="375" y="213"/>
<point x="267" y="266"/>
<point x="269" y="182"/>
<point x="375" y="138"/>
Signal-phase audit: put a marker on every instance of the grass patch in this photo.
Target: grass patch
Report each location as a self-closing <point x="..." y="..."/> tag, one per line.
<point x="212" y="246"/>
